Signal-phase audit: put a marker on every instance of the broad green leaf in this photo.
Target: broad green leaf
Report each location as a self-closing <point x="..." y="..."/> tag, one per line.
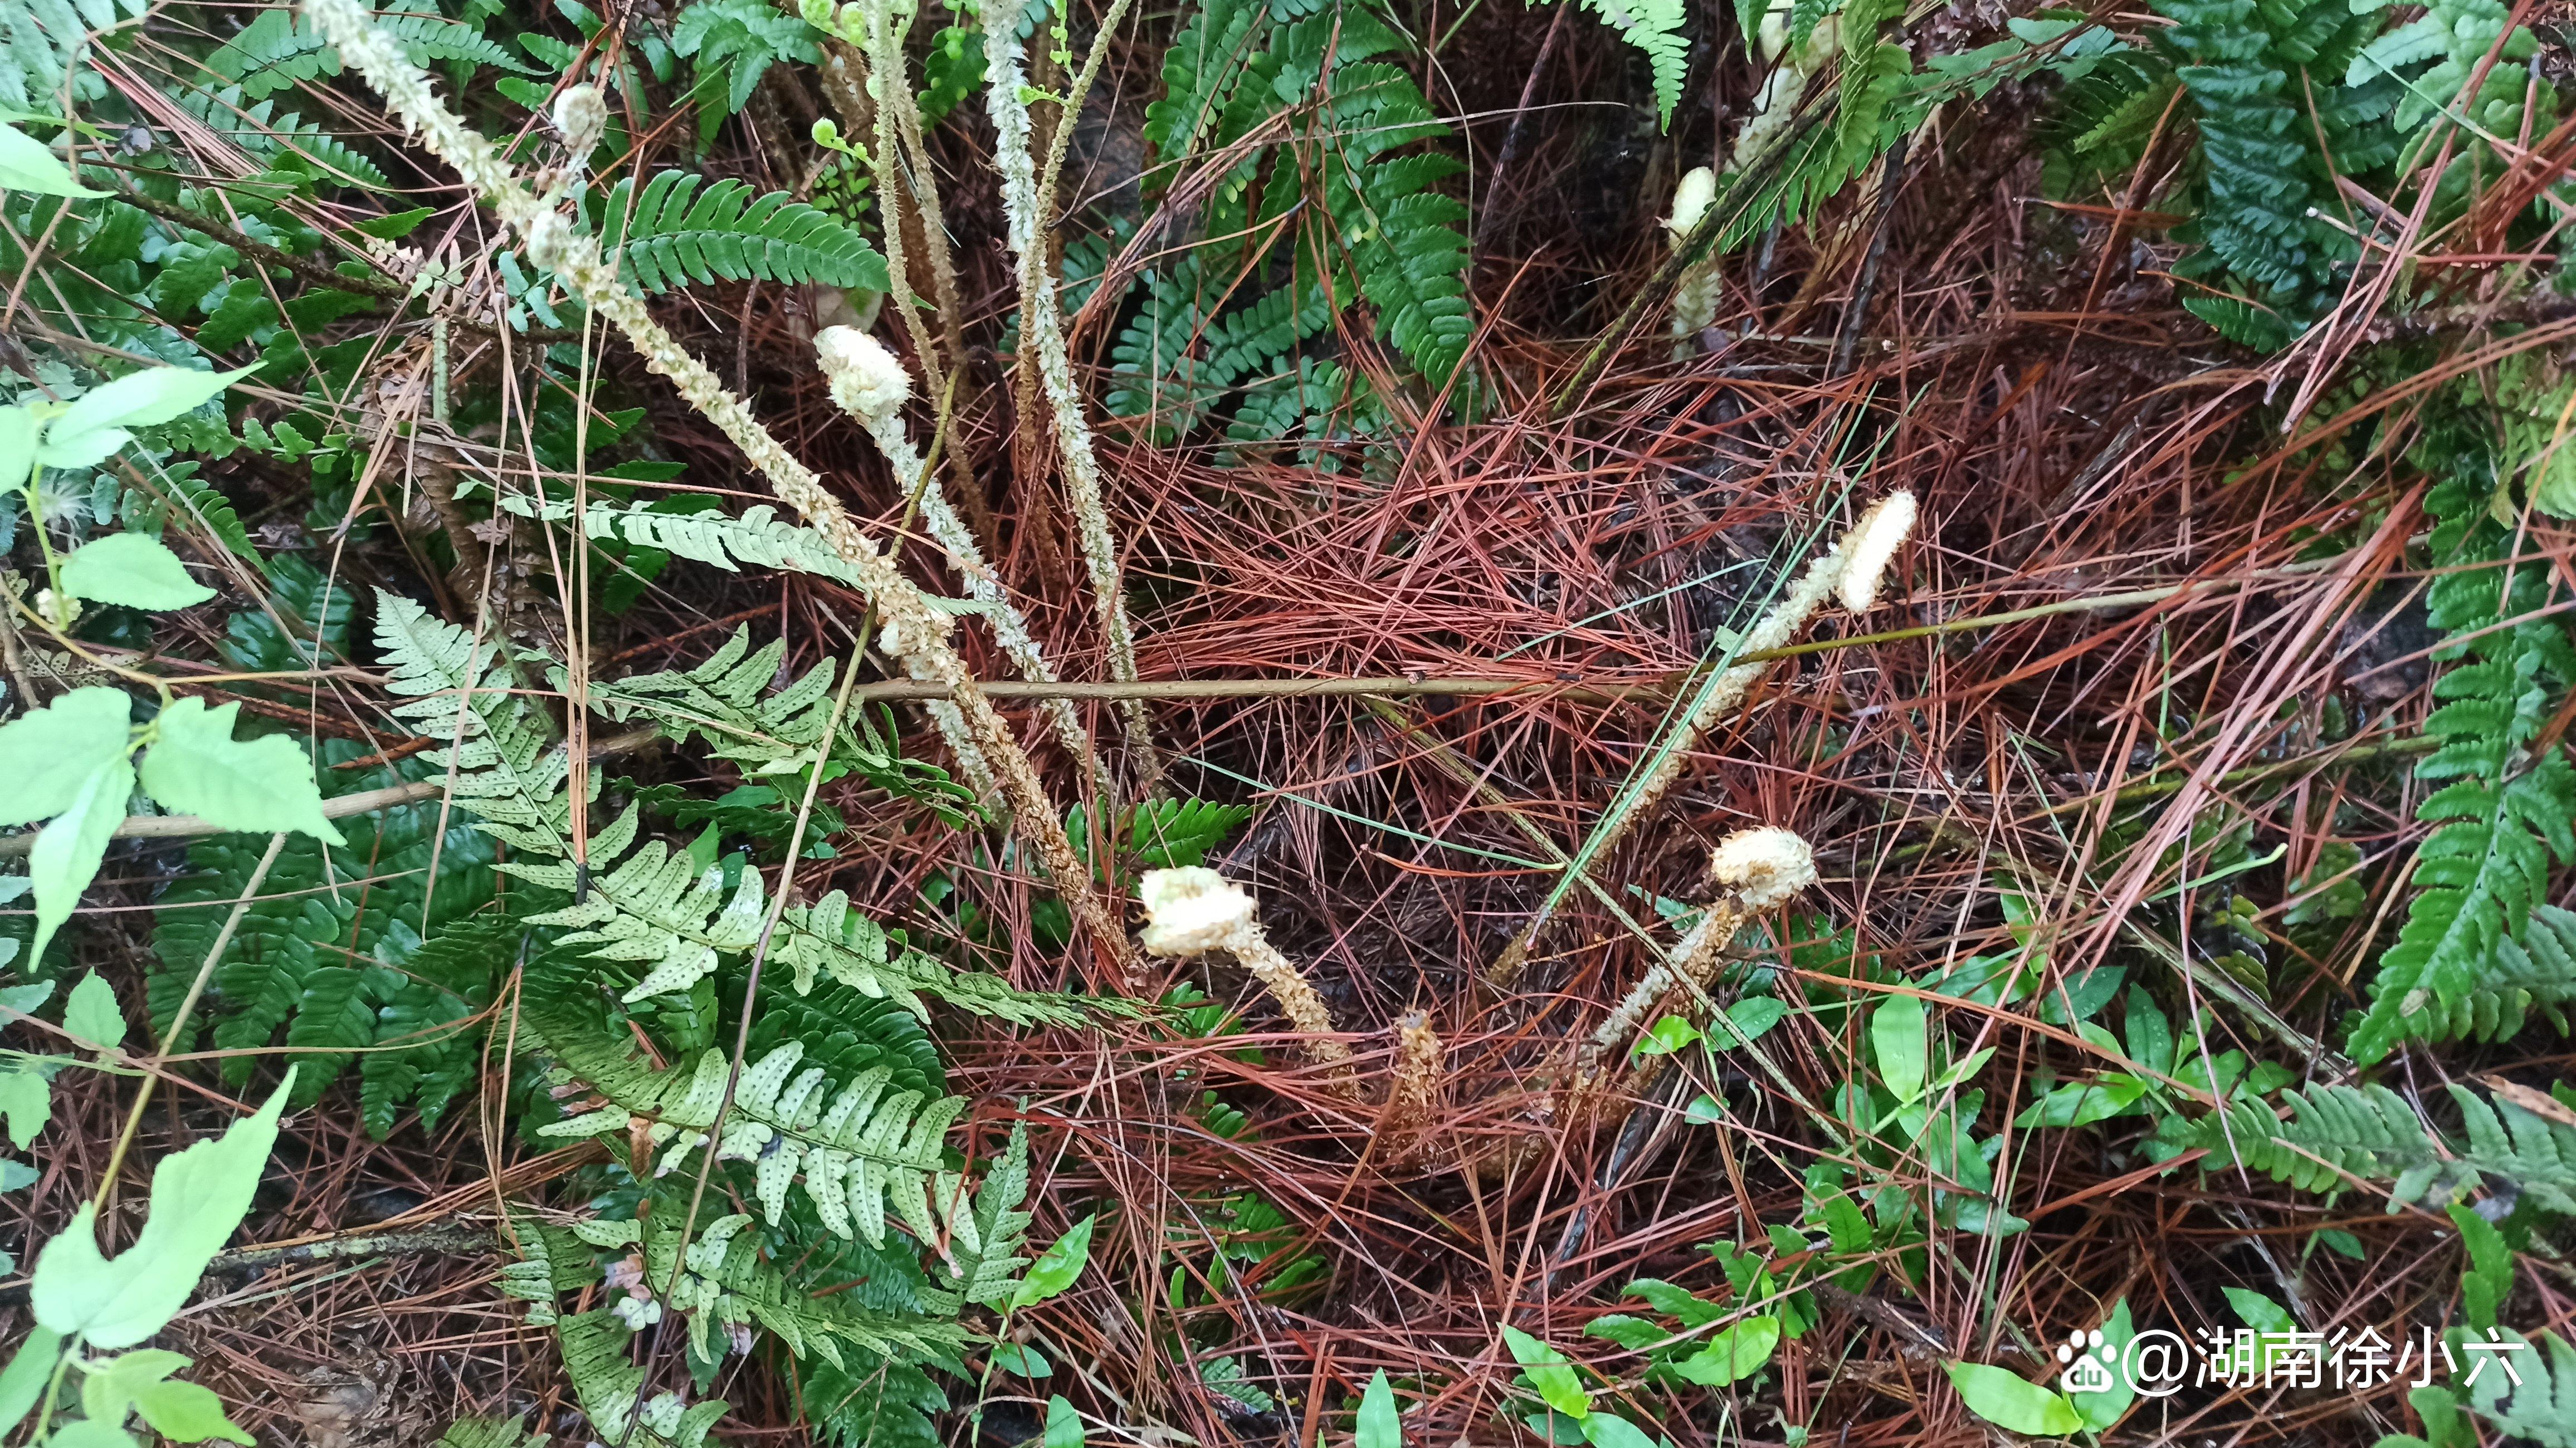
<point x="1021" y="1361"/>
<point x="1752" y="1017"/>
<point x="133" y="569"/>
<point x="91" y="1014"/>
<point x="2008" y="1400"/>
<point x="90" y="1433"/>
<point x="1057" y="1267"/>
<point x="1738" y="1352"/>
<point x="109" y="1385"/>
<point x="1961" y="1070"/>
<point x="27" y="1102"/>
<point x="1609" y="1430"/>
<point x="1549" y="1373"/>
<point x="1896" y="1031"/>
<point x="1666" y="1036"/>
<point x="18" y="433"/>
<point x="198" y="1197"/>
<point x="50" y="755"/>
<point x="27" y="164"/>
<point x="65" y="857"/>
<point x="2260" y="1312"/>
<point x="2151" y="1039"/>
<point x="187" y="1413"/>
<point x="262" y="785"/>
<point x="1063" y="1425"/>
<point x="94" y="426"/>
<point x="1634" y="1333"/>
<point x="30" y="1368"/>
<point x="13" y="1175"/>
<point x="1379" y="1425"/>
<point x="2108" y="1406"/>
<point x="2081" y="1103"/>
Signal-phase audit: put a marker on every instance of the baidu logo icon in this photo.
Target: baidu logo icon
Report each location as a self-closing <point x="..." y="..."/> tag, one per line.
<point x="2088" y="1359"/>
<point x="2151" y="1364"/>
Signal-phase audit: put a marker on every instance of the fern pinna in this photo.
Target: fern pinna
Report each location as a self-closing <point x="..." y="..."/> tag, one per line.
<point x="2479" y="950"/>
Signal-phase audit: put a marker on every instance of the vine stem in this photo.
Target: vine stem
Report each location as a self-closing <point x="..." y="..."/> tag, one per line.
<point x="179" y="1022"/>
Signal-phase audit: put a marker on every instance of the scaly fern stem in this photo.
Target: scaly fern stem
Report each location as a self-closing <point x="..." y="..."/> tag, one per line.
<point x="1043" y="328"/>
<point x="883" y="418"/>
<point x="552" y="242"/>
<point x="904" y="176"/>
<point x="887" y="89"/>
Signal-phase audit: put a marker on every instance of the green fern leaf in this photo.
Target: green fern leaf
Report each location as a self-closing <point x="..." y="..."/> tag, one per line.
<point x="201" y="510"/>
<point x="1206" y="59"/>
<point x="328" y="961"/>
<point x="1655" y="28"/>
<point x="280" y="49"/>
<point x="2336" y="1133"/>
<point x="610" y="1388"/>
<point x="2479" y="950"/>
<point x="857" y="1144"/>
<point x="426" y="1053"/>
<point x="276" y="140"/>
<point x="41" y="43"/>
<point x="490" y="1433"/>
<point x="985" y="1263"/>
<point x="724" y="1279"/>
<point x="673" y="233"/>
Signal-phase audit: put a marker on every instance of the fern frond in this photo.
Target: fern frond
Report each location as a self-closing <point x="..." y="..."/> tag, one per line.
<point x="2249" y="69"/>
<point x="280" y="48"/>
<point x="339" y="968"/>
<point x="642" y="902"/>
<point x="847" y="1032"/>
<point x="551" y="1262"/>
<point x="726" y="702"/>
<point x="654" y="907"/>
<point x="673" y="233"/>
<point x="610" y="1388"/>
<point x="2541" y="1408"/>
<point x="880" y="1404"/>
<point x="1655" y="28"/>
<point x="2452" y="41"/>
<point x="1404" y="240"/>
<point x="2468" y="960"/>
<point x="721" y="1279"/>
<point x="856" y="1144"/>
<point x="1200" y="72"/>
<point x="271" y="139"/>
<point x="759" y="537"/>
<point x="195" y="501"/>
<point x="490" y="1433"/>
<point x="40" y="49"/>
<point x="985" y="1265"/>
<point x="2338" y="1132"/>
